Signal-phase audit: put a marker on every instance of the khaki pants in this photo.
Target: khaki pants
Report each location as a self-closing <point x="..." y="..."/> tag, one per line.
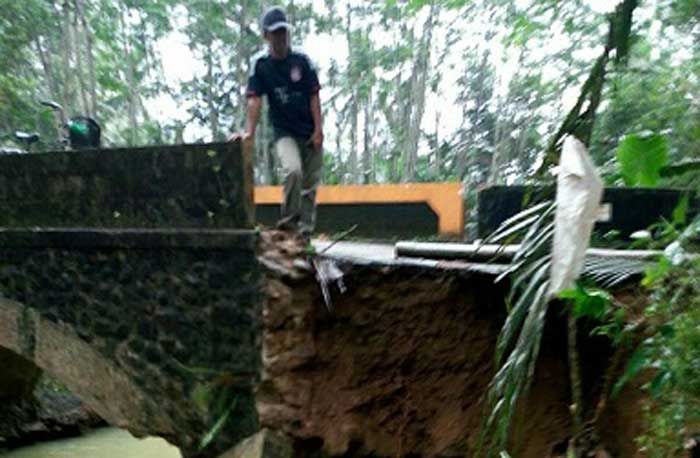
<point x="301" y="168"/>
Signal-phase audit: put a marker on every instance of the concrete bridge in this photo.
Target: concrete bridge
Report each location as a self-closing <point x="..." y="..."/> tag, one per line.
<point x="118" y="279"/>
<point x="135" y="277"/>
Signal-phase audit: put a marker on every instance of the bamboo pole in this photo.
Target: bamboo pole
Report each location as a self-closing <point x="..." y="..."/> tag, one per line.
<point x="477" y="252"/>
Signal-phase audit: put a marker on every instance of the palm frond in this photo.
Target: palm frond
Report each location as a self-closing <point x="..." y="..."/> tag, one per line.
<point x="535" y="239"/>
<point x="540" y="240"/>
<point x="527" y="251"/>
<point x="545" y="220"/>
<point x="608" y="272"/>
<point x="513" y="378"/>
<point x="519" y="278"/>
<point x="514" y="229"/>
<point x="516" y="221"/>
<point x="513" y="326"/>
<point x="518" y="344"/>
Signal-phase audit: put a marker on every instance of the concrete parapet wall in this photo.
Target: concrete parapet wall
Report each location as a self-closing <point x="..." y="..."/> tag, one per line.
<point x="206" y="185"/>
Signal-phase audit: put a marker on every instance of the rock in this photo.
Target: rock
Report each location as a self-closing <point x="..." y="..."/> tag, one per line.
<point x="52" y="413"/>
<point x="302" y="264"/>
<point x="281" y="254"/>
<point x="264" y="444"/>
<point x="274" y="413"/>
<point x="279" y="270"/>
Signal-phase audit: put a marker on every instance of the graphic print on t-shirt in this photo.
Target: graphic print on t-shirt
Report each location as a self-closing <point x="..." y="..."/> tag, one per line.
<point x="295" y="74"/>
<point x="281" y="94"/>
<point x="289" y="84"/>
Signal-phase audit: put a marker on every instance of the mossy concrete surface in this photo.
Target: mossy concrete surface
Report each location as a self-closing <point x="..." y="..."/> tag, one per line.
<point x="207" y="185"/>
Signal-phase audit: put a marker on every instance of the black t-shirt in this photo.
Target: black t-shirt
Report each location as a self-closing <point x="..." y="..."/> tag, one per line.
<point x="289" y="84"/>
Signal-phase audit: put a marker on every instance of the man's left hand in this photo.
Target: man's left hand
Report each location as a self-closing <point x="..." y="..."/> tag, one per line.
<point x="316" y="140"/>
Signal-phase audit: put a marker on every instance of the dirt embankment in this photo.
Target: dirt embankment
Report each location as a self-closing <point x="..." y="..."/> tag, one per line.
<point x="401" y="366"/>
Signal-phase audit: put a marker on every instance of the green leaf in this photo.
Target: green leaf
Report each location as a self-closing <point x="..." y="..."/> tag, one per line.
<point x="214" y="431"/>
<point x="657" y="385"/>
<point x="667" y="331"/>
<point x="638" y="362"/>
<point x="641" y="159"/>
<point x="414" y="5"/>
<point x="656" y="272"/>
<point x="201" y="396"/>
<point x="591" y="303"/>
<point x="680" y="213"/>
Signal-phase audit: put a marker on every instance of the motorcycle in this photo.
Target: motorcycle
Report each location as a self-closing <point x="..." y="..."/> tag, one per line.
<point x="78" y="132"/>
<point x="75" y="133"/>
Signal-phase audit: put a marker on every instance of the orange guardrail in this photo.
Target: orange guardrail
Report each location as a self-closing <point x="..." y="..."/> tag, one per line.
<point x="445" y="199"/>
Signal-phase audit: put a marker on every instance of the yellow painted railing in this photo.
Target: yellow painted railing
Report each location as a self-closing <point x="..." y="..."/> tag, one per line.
<point x="445" y="199"/>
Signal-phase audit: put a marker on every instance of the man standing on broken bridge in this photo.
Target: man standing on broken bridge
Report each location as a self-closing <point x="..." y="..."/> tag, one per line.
<point x="291" y="85"/>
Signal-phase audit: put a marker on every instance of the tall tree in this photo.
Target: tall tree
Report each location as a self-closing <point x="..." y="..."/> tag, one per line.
<point x="418" y="87"/>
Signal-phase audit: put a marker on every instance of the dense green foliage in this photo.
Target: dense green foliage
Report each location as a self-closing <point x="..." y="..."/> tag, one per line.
<point x="668" y="360"/>
<point x="415" y="90"/>
<point x="641" y="159"/>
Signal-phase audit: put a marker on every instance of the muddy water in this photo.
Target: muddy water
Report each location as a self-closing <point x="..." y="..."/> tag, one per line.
<point x="103" y="443"/>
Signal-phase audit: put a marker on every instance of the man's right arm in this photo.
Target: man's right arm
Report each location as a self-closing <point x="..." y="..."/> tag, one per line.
<point x="254" y="92"/>
<point x="254" y="108"/>
<point x="252" y="117"/>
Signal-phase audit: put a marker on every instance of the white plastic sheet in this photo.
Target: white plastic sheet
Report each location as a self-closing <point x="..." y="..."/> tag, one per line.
<point x="579" y="190"/>
<point x="327" y="272"/>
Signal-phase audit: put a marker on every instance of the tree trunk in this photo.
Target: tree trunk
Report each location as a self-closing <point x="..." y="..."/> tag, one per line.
<point x="496" y="159"/>
<point x="461" y="159"/>
<point x="179" y="132"/>
<point x="47" y="65"/>
<point x="66" y="59"/>
<point x="89" y="40"/>
<point x="367" y="154"/>
<point x="352" y="160"/>
<point x="417" y="98"/>
<point x="340" y="126"/>
<point x="213" y="114"/>
<point x="580" y="122"/>
<point x="575" y="381"/>
<point x="354" y="109"/>
<point x="396" y="110"/>
<point x="395" y="120"/>
<point x="242" y="57"/>
<point x="142" y="107"/>
<point x="78" y="37"/>
<point x="437" y="161"/>
<point x="522" y="140"/>
<point x="291" y="12"/>
<point x="130" y="80"/>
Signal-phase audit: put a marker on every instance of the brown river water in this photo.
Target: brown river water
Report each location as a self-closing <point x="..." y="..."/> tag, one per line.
<point x="101" y="443"/>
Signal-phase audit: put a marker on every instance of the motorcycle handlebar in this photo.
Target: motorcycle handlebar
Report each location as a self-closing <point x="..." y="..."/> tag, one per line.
<point x="52" y="104"/>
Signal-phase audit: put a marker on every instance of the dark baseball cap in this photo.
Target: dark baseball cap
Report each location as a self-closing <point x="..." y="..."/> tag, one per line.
<point x="275" y="19"/>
